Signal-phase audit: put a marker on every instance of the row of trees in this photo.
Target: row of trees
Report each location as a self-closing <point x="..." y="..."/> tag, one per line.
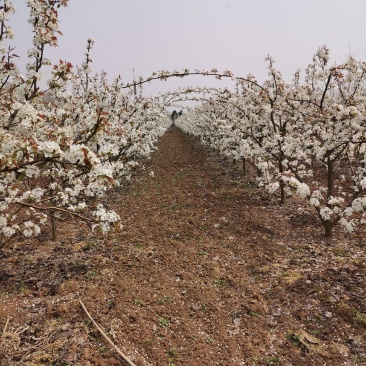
<point x="67" y="141"/>
<point x="306" y="137"/>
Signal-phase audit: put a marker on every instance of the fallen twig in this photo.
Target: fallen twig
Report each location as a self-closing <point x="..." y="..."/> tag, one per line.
<point x="125" y="358"/>
<point x="6" y="325"/>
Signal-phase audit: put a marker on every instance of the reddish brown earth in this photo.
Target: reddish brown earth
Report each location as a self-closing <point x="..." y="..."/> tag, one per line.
<point x="208" y="270"/>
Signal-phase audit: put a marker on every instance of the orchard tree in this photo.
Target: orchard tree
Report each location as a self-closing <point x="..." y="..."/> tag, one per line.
<point x="65" y="145"/>
<point x="332" y="135"/>
<point x="305" y="137"/>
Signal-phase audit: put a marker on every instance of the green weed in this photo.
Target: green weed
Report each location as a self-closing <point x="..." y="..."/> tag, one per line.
<point x="163" y="322"/>
<point x="165" y="300"/>
<point x="220" y="282"/>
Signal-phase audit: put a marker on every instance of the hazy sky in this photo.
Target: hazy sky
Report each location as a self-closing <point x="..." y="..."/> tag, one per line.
<point x="150" y="35"/>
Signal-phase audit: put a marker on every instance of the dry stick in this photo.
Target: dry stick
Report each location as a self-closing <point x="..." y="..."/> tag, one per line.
<point x="6" y="325"/>
<point x="55" y="208"/>
<point x="106" y="337"/>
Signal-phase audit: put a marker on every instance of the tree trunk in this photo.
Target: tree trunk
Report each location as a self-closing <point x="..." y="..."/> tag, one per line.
<point x="330" y="177"/>
<point x="282" y="186"/>
<point x="283" y="193"/>
<point x="53" y="225"/>
<point x="52" y="214"/>
<point x="328" y="228"/>
<point x="328" y="224"/>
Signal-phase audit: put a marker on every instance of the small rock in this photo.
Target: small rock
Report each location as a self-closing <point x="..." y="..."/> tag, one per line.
<point x="328" y="314"/>
<point x="65" y="326"/>
<point x="233" y="332"/>
<point x="237" y="322"/>
<point x="277" y="312"/>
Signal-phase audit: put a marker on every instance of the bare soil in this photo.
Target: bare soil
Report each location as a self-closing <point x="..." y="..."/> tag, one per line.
<point x="208" y="270"/>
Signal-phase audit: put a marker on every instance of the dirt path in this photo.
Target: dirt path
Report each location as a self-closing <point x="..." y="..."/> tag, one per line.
<point x="207" y="271"/>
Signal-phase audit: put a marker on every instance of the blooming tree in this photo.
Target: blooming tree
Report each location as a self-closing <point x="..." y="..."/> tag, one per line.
<point x="332" y="140"/>
<point x="306" y="137"/>
<point x="66" y="144"/>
